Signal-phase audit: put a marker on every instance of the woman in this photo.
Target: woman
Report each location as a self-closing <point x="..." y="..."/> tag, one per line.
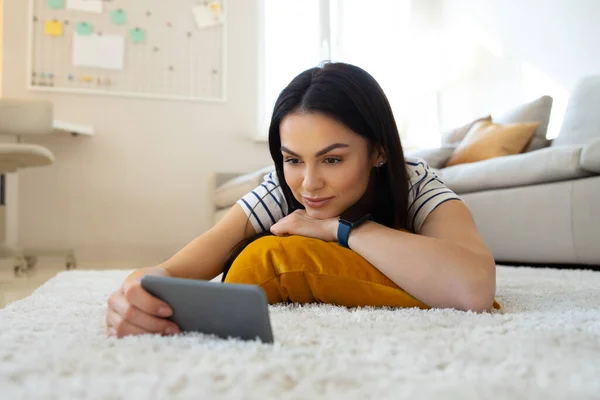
<point x="337" y="155"/>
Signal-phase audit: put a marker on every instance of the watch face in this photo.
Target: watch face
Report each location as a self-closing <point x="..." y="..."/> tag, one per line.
<point x="353" y="214"/>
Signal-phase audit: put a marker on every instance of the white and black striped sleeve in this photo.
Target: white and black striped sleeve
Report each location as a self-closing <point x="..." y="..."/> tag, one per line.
<point x="265" y="205"/>
<point x="427" y="191"/>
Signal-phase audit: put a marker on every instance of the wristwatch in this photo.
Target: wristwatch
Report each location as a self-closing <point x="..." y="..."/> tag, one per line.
<point x="346" y="225"/>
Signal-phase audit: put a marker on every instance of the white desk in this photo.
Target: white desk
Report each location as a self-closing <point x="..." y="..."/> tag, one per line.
<point x="73" y="129"/>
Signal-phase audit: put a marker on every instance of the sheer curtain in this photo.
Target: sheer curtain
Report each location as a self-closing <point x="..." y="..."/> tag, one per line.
<point x="396" y="41"/>
<point x="292" y="42"/>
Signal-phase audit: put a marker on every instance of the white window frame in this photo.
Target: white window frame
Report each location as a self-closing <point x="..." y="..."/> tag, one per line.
<point x="325" y="55"/>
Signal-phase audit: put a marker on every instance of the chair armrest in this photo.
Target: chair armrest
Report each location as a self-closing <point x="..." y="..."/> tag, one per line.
<point x="590" y="156"/>
<point x="435" y="157"/>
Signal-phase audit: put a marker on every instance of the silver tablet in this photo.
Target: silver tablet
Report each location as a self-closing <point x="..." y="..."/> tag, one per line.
<point x="222" y="309"/>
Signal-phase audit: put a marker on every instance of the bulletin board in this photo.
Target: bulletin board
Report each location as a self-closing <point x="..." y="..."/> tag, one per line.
<point x="166" y="49"/>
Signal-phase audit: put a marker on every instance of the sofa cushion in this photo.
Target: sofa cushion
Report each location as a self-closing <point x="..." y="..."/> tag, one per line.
<point x="534" y="111"/>
<point x="453" y="137"/>
<point x="542" y="166"/>
<point x="487" y="140"/>
<point x="227" y="194"/>
<point x="434" y="157"/>
<point x="590" y="156"/>
<point x="581" y="122"/>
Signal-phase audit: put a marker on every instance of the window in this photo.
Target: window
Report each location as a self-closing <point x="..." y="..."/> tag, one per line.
<point x="379" y="36"/>
<point x="292" y="43"/>
<point x="438" y="65"/>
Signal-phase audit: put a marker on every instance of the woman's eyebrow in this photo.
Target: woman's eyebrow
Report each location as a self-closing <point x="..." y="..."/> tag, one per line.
<point x="320" y="152"/>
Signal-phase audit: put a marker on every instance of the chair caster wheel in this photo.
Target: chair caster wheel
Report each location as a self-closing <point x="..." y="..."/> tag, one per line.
<point x="71" y="263"/>
<point x="20" y="267"/>
<point x="31" y="262"/>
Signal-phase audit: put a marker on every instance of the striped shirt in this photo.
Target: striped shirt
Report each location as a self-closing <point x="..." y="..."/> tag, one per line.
<point x="266" y="204"/>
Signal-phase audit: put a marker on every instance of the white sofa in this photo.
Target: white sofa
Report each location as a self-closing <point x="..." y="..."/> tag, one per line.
<point x="538" y="207"/>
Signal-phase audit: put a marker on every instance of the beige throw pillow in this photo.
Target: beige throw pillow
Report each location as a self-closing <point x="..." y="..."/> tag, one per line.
<point x="453" y="137"/>
<point x="487" y="140"/>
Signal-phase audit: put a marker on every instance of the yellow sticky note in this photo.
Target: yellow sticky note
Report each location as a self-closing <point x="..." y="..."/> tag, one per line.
<point x="53" y="28"/>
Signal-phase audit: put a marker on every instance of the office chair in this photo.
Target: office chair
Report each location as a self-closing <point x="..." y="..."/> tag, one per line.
<point x="20" y="118"/>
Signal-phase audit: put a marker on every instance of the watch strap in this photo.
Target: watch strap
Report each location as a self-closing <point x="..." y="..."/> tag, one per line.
<point x="344" y="228"/>
<point x="343" y="233"/>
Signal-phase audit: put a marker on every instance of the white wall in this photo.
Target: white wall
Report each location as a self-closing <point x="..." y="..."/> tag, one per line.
<point x="528" y="48"/>
<point x="140" y="189"/>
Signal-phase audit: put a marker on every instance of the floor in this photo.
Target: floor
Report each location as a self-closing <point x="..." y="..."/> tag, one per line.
<point x="543" y="344"/>
<point x="14" y="288"/>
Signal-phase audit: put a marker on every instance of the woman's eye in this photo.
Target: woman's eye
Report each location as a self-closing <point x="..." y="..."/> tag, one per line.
<point x="332" y="160"/>
<point x="292" y="161"/>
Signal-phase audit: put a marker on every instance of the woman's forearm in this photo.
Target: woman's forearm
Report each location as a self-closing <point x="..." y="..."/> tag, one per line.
<point x="435" y="271"/>
<point x="138" y="273"/>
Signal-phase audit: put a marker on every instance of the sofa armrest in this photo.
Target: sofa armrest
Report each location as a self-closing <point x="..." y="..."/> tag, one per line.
<point x="590" y="156"/>
<point x="551" y="164"/>
<point x="229" y="191"/>
<point x="435" y="157"/>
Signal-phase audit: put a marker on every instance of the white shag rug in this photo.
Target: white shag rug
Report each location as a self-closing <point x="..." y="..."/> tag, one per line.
<point x="543" y="344"/>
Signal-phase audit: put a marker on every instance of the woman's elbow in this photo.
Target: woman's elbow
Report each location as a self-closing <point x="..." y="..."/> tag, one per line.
<point x="478" y="304"/>
<point x="481" y="291"/>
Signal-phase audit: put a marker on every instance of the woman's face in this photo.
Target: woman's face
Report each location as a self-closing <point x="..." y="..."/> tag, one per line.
<point x="326" y="165"/>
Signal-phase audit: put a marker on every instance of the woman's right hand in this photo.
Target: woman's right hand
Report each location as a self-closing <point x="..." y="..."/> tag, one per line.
<point x="134" y="311"/>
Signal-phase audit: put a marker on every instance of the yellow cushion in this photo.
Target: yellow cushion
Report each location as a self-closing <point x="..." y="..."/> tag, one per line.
<point x="487" y="140"/>
<point x="454" y="136"/>
<point x="305" y="270"/>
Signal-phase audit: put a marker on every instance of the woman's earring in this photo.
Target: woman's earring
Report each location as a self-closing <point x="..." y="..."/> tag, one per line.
<point x="380" y="164"/>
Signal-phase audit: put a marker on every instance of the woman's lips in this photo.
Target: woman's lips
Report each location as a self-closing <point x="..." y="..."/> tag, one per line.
<point x="316" y="202"/>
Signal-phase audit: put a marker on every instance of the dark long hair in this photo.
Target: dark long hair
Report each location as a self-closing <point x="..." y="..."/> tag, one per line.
<point x="352" y="97"/>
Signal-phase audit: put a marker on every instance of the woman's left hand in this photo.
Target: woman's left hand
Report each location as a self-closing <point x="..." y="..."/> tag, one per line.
<point x="299" y="223"/>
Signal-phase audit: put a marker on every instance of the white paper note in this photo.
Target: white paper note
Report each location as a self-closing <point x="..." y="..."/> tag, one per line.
<point x="107" y="51"/>
<point x="207" y="16"/>
<point x="92" y="6"/>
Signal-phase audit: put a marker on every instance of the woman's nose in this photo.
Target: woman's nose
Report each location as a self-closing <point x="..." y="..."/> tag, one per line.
<point x="312" y="181"/>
